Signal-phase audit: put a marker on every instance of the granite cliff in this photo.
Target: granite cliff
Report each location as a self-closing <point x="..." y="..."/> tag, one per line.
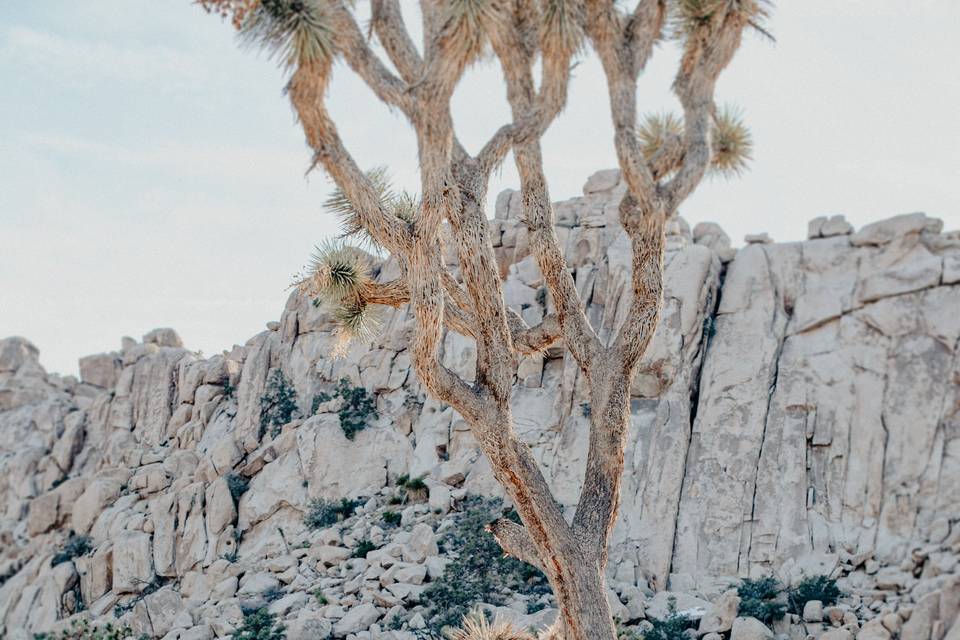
<point x="797" y="412"/>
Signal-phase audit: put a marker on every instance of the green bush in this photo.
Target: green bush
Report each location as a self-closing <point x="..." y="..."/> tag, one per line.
<point x="479" y="571"/>
<point x="363" y="548"/>
<point x="414" y="484"/>
<point x="74" y="547"/>
<point x="260" y="625"/>
<point x="357" y="410"/>
<point x="238" y="486"/>
<point x="272" y="594"/>
<point x="673" y="627"/>
<point x="820" y="588"/>
<point x="391" y="518"/>
<point x="759" y="599"/>
<point x="278" y="404"/>
<point x="323" y="513"/>
<point x="83" y="630"/>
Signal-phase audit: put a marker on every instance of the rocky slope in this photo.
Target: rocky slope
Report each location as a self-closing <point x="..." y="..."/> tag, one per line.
<point x="798" y="412"/>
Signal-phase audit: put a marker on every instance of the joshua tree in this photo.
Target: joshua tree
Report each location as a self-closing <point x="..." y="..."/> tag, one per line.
<point x="661" y="160"/>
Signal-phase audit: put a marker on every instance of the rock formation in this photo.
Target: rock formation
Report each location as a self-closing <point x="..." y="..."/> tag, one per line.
<point x="798" y="413"/>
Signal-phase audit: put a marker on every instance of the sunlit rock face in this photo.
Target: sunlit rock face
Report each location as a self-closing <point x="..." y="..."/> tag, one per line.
<point x="798" y="407"/>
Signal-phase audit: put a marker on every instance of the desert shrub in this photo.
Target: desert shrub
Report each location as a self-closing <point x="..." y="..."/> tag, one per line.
<point x="321" y="599"/>
<point x="260" y="625"/>
<point x="759" y="599"/>
<point x="391" y="518"/>
<point x="479" y="571"/>
<point x="84" y="630"/>
<point x="278" y="404"/>
<point x="74" y="547"/>
<point x="673" y="627"/>
<point x="272" y="594"/>
<point x="357" y="410"/>
<point x="238" y="486"/>
<point x="229" y="390"/>
<point x="414" y="484"/>
<point x="363" y="548"/>
<point x="821" y="588"/>
<point x="323" y="513"/>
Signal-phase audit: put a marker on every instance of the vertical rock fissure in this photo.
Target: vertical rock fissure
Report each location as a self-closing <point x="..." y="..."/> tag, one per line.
<point x="771" y="389"/>
<point x="708" y="329"/>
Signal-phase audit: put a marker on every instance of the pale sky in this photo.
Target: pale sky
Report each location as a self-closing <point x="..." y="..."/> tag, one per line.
<point x="153" y="175"/>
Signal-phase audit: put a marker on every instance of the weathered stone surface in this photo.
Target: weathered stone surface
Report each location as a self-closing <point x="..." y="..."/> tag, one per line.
<point x="750" y="629"/>
<point x="132" y="563"/>
<point x="357" y="619"/>
<point x="795" y="414"/>
<point x="719" y="617"/>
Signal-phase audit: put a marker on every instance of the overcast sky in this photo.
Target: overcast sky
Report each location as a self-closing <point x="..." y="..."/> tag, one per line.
<point x="153" y="175"/>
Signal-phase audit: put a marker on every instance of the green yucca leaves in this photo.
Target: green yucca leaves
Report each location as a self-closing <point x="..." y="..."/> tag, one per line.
<point x="339" y="204"/>
<point x="297" y="32"/>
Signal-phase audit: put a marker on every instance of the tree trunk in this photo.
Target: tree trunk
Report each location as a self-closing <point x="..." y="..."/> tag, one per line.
<point x="584" y="609"/>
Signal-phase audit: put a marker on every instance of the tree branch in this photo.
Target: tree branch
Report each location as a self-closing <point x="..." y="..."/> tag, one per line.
<point x="365" y="63"/>
<point x="515" y="541"/>
<point x="705" y="57"/>
<point x="306" y="88"/>
<point x="387" y="22"/>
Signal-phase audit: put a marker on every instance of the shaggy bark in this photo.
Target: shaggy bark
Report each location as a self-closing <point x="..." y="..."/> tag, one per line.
<point x="312" y="34"/>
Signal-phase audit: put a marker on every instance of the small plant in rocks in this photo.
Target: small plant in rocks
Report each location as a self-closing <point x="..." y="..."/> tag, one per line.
<point x="479" y="572"/>
<point x="760" y="599"/>
<point x="323" y="513"/>
<point x="673" y="627"/>
<point x="821" y="588"/>
<point x="74" y="547"/>
<point x="260" y="625"/>
<point x="357" y="410"/>
<point x="272" y="594"/>
<point x="391" y="518"/>
<point x="278" y="404"/>
<point x="84" y="630"/>
<point x="363" y="548"/>
<point x="238" y="486"/>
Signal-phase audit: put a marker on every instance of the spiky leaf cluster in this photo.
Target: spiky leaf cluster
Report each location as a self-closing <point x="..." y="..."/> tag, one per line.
<point x="687" y="17"/>
<point x="657" y="132"/>
<point x="340" y="205"/>
<point x="731" y="143"/>
<point x="562" y="27"/>
<point x="296" y="32"/>
<point x="475" y="626"/>
<point x="464" y="29"/>
<point x="339" y="275"/>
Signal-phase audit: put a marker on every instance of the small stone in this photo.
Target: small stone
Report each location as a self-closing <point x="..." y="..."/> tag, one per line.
<point x="836" y="634"/>
<point x="813" y="611"/>
<point x="758" y="238"/>
<point x="719" y="618"/>
<point x="749" y="629"/>
<point x="417" y="622"/>
<point x="357" y="619"/>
